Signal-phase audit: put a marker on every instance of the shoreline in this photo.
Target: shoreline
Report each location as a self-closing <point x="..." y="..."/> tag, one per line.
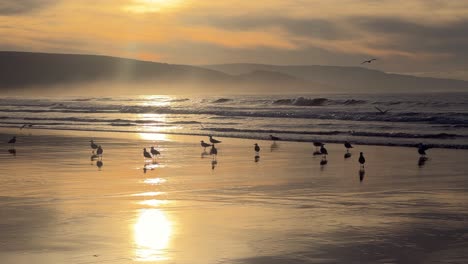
<point x="333" y="141"/>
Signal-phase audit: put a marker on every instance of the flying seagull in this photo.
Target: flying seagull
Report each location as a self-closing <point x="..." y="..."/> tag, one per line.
<point x="368" y="61"/>
<point x="383" y="112"/>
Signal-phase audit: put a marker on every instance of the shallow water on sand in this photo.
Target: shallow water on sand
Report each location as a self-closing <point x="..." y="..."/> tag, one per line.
<point x="57" y="206"/>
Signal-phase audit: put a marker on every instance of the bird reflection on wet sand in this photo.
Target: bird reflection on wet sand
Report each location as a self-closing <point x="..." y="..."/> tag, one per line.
<point x="204" y="154"/>
<point x="362" y="172"/>
<point x="422" y="161"/>
<point x="257" y="158"/>
<point x="150" y="166"/>
<point x="274" y="146"/>
<point x="99" y="164"/>
<point x="12" y="151"/>
<point x="214" y="163"/>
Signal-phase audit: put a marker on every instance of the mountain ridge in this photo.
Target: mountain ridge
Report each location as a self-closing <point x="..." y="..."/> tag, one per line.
<point x="31" y="71"/>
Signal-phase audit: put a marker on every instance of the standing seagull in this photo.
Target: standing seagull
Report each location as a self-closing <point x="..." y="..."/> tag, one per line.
<point x="12" y="140"/>
<point x="324" y="153"/>
<point x="257" y="148"/>
<point x="422" y="149"/>
<point x="323" y="150"/>
<point x="347" y="146"/>
<point x="368" y="61"/>
<point x="214" y="141"/>
<point x="93" y="145"/>
<point x="204" y="145"/>
<point x="274" y="138"/>
<point x="146" y="154"/>
<point x="154" y="152"/>
<point x="362" y="160"/>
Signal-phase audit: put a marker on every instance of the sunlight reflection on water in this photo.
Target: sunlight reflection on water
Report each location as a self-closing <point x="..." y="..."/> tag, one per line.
<point x="152" y="233"/>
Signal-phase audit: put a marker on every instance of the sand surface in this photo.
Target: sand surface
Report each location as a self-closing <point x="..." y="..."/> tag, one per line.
<point x="57" y="206"/>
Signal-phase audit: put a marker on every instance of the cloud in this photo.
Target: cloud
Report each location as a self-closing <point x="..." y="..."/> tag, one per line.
<point x="17" y="7"/>
<point x="411" y="35"/>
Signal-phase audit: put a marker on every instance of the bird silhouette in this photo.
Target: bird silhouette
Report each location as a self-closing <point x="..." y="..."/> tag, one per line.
<point x="274" y="138"/>
<point x="347" y="145"/>
<point x="26" y="125"/>
<point x="323" y="150"/>
<point x="204" y="145"/>
<point x="382" y="112"/>
<point x="368" y="61"/>
<point x="93" y="145"/>
<point x="12" y="140"/>
<point x="146" y="154"/>
<point x="257" y="147"/>
<point x="422" y="149"/>
<point x="154" y="152"/>
<point x="362" y="160"/>
<point x="214" y="141"/>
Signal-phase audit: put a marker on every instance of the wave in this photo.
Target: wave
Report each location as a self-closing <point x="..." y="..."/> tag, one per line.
<point x="448" y="118"/>
<point x="336" y="132"/>
<point x="222" y="100"/>
<point x="301" y="101"/>
<point x="247" y="134"/>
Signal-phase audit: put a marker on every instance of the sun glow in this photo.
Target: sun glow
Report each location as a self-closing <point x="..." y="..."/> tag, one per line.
<point x="152" y="232"/>
<point x="151" y="6"/>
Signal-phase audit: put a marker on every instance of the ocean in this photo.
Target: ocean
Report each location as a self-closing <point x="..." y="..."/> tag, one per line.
<point x="436" y="119"/>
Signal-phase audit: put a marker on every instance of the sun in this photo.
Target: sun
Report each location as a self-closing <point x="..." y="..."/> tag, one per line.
<point x="151" y="6"/>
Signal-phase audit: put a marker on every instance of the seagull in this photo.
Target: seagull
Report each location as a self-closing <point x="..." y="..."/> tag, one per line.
<point x="213" y="151"/>
<point x="99" y="151"/>
<point x="12" y="140"/>
<point x="323" y="150"/>
<point x="154" y="151"/>
<point x="93" y="145"/>
<point x="362" y="160"/>
<point x="214" y="141"/>
<point x="204" y="145"/>
<point x="146" y="154"/>
<point x="274" y="138"/>
<point x="422" y="149"/>
<point x="347" y="146"/>
<point x="368" y="61"/>
<point x="26" y="125"/>
<point x="383" y="112"/>
<point x="257" y="147"/>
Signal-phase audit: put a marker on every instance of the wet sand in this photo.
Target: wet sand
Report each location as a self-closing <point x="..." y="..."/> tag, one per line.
<point x="57" y="206"/>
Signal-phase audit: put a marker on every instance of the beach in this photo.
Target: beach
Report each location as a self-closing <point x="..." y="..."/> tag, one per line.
<point x="58" y="206"/>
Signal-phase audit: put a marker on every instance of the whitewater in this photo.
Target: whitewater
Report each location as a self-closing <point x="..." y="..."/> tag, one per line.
<point x="437" y="119"/>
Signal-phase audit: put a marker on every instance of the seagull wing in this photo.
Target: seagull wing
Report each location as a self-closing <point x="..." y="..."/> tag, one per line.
<point x="380" y="110"/>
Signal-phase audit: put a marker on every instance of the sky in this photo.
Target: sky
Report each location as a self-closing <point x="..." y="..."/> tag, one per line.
<point x="420" y="37"/>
